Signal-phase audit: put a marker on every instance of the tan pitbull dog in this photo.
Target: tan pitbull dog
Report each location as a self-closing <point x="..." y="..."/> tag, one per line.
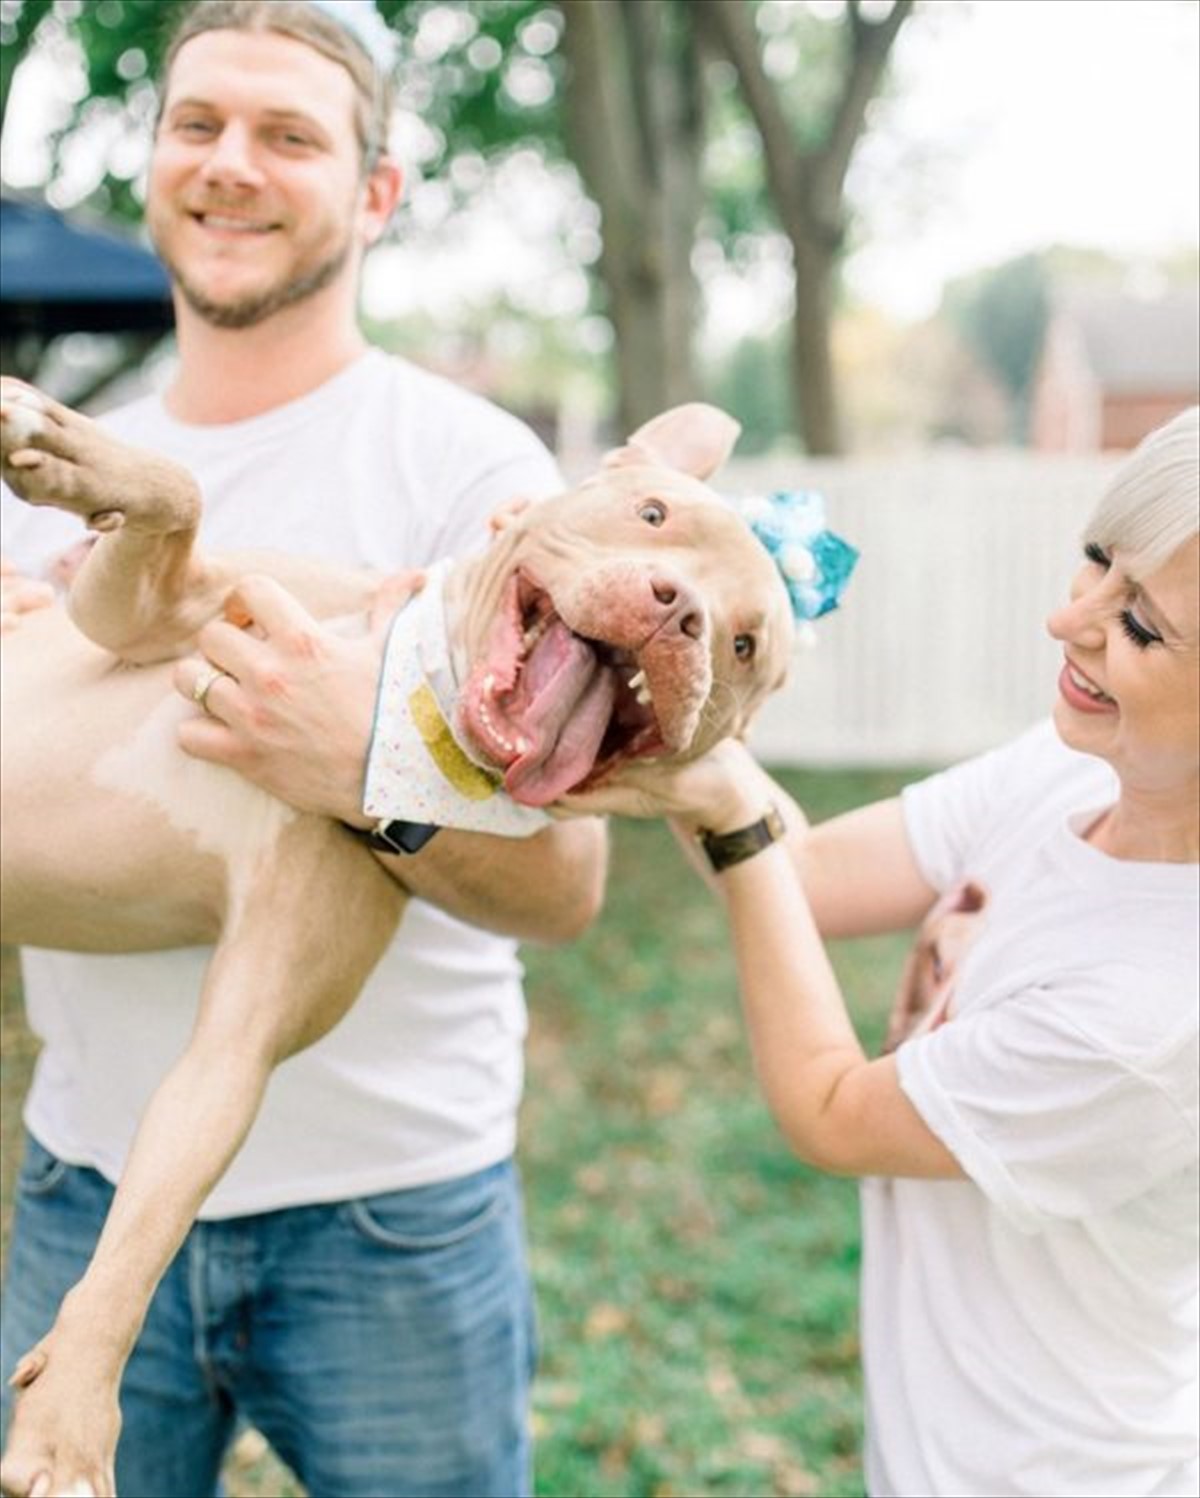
<point x="634" y="616"/>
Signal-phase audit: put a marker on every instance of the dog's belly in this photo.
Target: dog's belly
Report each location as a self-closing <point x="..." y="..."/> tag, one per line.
<point x="111" y="839"/>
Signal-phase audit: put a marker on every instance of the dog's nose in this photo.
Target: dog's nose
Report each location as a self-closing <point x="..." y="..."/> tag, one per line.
<point x="678" y="607"/>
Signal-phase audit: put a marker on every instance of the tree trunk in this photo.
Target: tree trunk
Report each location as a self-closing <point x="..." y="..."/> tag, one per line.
<point x="812" y="354"/>
<point x="634" y="120"/>
<point x="807" y="184"/>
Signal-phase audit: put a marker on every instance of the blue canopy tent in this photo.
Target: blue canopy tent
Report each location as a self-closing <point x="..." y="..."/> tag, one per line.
<point x="60" y="277"/>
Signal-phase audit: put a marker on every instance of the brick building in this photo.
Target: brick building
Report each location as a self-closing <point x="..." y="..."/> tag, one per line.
<point x="1113" y="367"/>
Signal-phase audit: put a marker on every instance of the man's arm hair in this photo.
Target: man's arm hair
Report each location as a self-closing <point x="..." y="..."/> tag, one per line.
<point x="545" y="888"/>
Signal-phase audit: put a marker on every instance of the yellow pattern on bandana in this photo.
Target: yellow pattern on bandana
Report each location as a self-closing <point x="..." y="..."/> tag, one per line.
<point x="467" y="778"/>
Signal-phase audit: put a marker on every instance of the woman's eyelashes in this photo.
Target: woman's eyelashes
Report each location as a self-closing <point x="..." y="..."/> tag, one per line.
<point x="1138" y="633"/>
<point x="1141" y="635"/>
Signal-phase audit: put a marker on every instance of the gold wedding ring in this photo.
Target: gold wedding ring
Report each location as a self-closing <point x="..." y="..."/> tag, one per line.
<point x="203" y="686"/>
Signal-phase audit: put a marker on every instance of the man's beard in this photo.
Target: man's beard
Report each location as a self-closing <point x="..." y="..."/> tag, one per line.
<point x="251" y="310"/>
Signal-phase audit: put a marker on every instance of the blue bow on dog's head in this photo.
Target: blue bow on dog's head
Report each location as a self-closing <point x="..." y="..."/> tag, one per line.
<point x="814" y="563"/>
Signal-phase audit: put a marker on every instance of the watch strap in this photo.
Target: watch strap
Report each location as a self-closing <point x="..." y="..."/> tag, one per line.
<point x="396" y="836"/>
<point x="724" y="849"/>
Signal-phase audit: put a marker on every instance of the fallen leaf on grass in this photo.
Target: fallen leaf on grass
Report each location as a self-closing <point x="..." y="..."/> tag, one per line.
<point x="648" y="1430"/>
<point x="605" y="1320"/>
<point x="723" y="1385"/>
<point x="664" y="1092"/>
<point x="791" y="1480"/>
<point x="760" y="1446"/>
<point x="592" y="1180"/>
<point x="614" y="1460"/>
<point x="556" y="1393"/>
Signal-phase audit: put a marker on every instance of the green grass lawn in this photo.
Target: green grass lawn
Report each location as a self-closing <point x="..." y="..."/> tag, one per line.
<point x="696" y="1285"/>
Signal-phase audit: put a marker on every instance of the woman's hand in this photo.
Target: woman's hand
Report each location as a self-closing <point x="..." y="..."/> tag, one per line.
<point x="63" y="1436"/>
<point x="723" y="790"/>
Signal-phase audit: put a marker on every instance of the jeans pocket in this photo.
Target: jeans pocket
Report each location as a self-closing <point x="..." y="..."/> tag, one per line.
<point x="41" y="1172"/>
<point x="431" y="1217"/>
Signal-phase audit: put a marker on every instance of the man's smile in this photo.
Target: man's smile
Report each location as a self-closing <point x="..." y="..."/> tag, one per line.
<point x="225" y="223"/>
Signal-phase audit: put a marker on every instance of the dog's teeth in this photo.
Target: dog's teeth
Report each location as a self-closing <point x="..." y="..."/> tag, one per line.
<point x="640" y="687"/>
<point x="534" y="633"/>
<point x="489" y="682"/>
<point x="520" y="747"/>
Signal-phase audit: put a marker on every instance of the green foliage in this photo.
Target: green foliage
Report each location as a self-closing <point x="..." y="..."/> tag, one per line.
<point x="122" y="42"/>
<point x="751" y="382"/>
<point x="483" y="75"/>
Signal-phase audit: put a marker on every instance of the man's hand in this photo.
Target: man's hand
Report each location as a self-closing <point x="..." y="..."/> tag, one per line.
<point x="294" y="707"/>
<point x="20" y="595"/>
<point x="925" y="997"/>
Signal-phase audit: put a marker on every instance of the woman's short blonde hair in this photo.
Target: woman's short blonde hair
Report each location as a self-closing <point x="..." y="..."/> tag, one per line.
<point x="315" y="28"/>
<point x="1152" y="505"/>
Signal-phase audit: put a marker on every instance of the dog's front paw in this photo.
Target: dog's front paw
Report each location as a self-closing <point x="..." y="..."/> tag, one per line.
<point x="22" y="414"/>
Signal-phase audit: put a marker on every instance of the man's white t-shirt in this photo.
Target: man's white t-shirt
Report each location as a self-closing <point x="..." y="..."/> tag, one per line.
<point x="384" y="466"/>
<point x="1033" y="1329"/>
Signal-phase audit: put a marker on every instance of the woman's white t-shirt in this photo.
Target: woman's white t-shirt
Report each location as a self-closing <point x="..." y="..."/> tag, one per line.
<point x="1033" y="1329"/>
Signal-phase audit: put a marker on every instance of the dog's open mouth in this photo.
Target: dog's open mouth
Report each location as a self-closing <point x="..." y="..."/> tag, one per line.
<point x="555" y="710"/>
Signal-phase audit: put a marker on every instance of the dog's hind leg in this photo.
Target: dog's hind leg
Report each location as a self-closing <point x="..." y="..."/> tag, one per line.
<point x="285" y="972"/>
<point x="144" y="589"/>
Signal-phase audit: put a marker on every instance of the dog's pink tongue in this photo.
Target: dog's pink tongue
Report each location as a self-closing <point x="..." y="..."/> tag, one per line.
<point x="561" y="707"/>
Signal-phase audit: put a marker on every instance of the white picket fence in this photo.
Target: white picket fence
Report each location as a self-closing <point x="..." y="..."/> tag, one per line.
<point x="939" y="648"/>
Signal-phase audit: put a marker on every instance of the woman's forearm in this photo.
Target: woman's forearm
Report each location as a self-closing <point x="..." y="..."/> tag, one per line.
<point x="801" y="1035"/>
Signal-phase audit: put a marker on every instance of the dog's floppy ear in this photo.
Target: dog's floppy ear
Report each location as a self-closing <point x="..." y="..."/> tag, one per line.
<point x="694" y="438"/>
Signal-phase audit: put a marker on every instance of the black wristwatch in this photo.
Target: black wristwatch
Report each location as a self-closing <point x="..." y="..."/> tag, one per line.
<point x="724" y="849"/>
<point x="395" y="836"/>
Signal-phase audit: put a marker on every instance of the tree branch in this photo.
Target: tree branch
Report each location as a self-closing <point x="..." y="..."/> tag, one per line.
<point x="730" y="24"/>
<point x="600" y="109"/>
<point x="870" y="45"/>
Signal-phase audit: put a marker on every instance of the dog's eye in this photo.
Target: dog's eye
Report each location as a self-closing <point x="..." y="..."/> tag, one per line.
<point x="653" y="512"/>
<point x="744" y="647"/>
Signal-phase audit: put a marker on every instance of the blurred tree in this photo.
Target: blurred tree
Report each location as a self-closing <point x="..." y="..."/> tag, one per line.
<point x="806" y="158"/>
<point x="617" y="88"/>
<point x="613" y="86"/>
<point x="1001" y="313"/>
<point x="750" y="382"/>
<point x="634" y="122"/>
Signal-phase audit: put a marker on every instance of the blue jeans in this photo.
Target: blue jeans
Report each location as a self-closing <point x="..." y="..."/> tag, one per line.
<point x="384" y="1346"/>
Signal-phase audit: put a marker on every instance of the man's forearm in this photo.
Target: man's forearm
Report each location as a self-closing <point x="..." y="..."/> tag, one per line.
<point x="544" y="888"/>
